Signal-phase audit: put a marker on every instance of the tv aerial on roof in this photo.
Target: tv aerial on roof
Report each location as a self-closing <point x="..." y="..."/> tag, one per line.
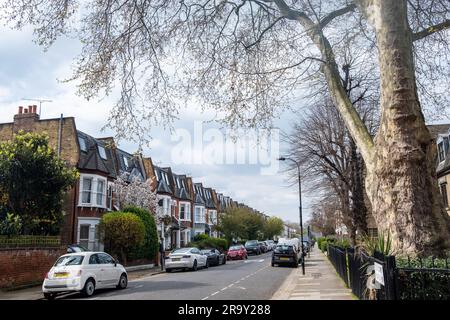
<point x="40" y="103"/>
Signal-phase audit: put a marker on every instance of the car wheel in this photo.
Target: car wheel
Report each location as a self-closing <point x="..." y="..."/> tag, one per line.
<point x="89" y="288"/>
<point x="273" y="264"/>
<point x="246" y="256"/>
<point x="224" y="261"/>
<point x="194" y="266"/>
<point x="123" y="281"/>
<point x="207" y="264"/>
<point x="49" y="296"/>
<point x="168" y="270"/>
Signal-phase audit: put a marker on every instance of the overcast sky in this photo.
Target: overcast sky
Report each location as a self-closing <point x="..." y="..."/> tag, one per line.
<point x="28" y="72"/>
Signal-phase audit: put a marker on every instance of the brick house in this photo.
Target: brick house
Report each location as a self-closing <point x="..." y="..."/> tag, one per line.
<point x="99" y="163"/>
<point x="441" y="134"/>
<point x="200" y="224"/>
<point x="184" y="196"/>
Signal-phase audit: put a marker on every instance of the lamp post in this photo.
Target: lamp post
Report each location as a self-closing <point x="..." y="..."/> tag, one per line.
<point x="300" y="209"/>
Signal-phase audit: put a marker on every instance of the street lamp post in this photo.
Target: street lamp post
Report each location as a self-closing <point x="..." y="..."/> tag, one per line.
<point x="300" y="209"/>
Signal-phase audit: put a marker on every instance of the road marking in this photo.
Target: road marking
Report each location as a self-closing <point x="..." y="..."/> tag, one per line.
<point x="139" y="286"/>
<point x="213" y="294"/>
<point x="223" y="289"/>
<point x="205" y="298"/>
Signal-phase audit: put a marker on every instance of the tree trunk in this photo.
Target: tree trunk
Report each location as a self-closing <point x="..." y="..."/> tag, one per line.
<point x="402" y="184"/>
<point x="359" y="209"/>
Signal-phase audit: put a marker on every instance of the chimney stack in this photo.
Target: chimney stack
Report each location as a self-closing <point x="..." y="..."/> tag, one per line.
<point x="20" y="109"/>
<point x="30" y="109"/>
<point x="25" y="110"/>
<point x="34" y="108"/>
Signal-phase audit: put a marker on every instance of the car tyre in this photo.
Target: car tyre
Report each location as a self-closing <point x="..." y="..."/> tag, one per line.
<point x="194" y="266"/>
<point x="49" y="296"/>
<point x="207" y="264"/>
<point x="246" y="256"/>
<point x="123" y="282"/>
<point x="168" y="270"/>
<point x="224" y="261"/>
<point x="89" y="288"/>
<point x="273" y="264"/>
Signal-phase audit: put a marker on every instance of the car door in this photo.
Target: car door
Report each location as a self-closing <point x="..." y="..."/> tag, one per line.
<point x="107" y="269"/>
<point x="201" y="258"/>
<point x="94" y="267"/>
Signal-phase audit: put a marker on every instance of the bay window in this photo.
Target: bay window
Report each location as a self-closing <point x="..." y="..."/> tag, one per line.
<point x="92" y="191"/>
<point x="185" y="211"/>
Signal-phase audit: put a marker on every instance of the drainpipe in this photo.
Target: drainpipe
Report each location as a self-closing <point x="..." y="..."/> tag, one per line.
<point x="59" y="135"/>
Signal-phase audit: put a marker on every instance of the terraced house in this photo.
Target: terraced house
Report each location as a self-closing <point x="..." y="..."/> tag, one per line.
<point x="185" y="208"/>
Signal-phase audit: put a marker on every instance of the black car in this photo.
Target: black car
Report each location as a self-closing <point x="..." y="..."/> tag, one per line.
<point x="215" y="258"/>
<point x="253" y="246"/>
<point x="285" y="254"/>
<point x="72" y="248"/>
<point x="263" y="246"/>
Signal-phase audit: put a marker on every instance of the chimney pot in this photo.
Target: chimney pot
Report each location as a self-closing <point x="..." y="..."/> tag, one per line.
<point x="34" y="108"/>
<point x="30" y="109"/>
<point x="20" y="109"/>
<point x="25" y="111"/>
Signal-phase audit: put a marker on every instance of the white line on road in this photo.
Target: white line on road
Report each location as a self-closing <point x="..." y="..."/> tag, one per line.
<point x="205" y="298"/>
<point x="213" y="294"/>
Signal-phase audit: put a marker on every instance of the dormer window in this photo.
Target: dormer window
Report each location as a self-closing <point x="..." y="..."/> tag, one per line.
<point x="156" y="175"/>
<point x="441" y="152"/>
<point x="125" y="161"/>
<point x="82" y="143"/>
<point x="102" y="152"/>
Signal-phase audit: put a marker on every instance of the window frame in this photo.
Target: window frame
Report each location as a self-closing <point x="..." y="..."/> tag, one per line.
<point x="444" y="194"/>
<point x="93" y="191"/>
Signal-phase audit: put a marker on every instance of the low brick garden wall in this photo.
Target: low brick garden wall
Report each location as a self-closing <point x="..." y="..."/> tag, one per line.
<point x="26" y="266"/>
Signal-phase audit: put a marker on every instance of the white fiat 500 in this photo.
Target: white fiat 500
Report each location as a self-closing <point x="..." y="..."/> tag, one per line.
<point x="186" y="258"/>
<point x="84" y="272"/>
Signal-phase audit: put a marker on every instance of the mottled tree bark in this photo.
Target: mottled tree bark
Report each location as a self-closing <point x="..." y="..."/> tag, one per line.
<point x="401" y="184"/>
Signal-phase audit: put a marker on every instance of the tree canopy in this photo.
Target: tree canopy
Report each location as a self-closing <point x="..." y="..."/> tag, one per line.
<point x="33" y="181"/>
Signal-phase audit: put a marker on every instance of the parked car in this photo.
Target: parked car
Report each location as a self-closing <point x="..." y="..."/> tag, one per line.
<point x="84" y="272"/>
<point x="268" y="246"/>
<point x="262" y="246"/>
<point x="237" y="252"/>
<point x="252" y="246"/>
<point x="215" y="258"/>
<point x="286" y="254"/>
<point x="306" y="246"/>
<point x="272" y="244"/>
<point x="72" y="248"/>
<point x="186" y="258"/>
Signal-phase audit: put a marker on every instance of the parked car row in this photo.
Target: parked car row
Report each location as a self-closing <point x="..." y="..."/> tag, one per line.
<point x="258" y="247"/>
<point x="193" y="258"/>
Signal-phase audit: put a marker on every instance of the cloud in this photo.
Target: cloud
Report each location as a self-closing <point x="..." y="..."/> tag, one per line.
<point x="28" y="72"/>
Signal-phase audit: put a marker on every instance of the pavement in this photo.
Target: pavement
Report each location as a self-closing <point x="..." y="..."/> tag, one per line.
<point x="320" y="282"/>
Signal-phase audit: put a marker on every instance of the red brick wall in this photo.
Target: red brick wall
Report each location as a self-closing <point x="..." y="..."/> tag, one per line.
<point x="25" y="266"/>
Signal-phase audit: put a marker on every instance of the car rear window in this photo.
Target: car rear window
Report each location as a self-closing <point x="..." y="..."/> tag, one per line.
<point x="235" y="248"/>
<point x="69" y="261"/>
<point x="251" y="243"/>
<point x="284" y="249"/>
<point x="182" y="250"/>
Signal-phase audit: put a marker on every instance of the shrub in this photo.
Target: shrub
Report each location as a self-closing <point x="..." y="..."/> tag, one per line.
<point x="150" y="246"/>
<point x="121" y="232"/>
<point x="203" y="241"/>
<point x="11" y="225"/>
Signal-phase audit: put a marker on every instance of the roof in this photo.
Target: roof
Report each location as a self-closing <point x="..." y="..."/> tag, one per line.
<point x="164" y="184"/>
<point x="436" y="129"/>
<point x="90" y="158"/>
<point x="181" y="187"/>
<point x="129" y="166"/>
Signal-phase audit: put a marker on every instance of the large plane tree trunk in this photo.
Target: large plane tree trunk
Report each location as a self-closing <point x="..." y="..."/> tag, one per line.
<point x="402" y="185"/>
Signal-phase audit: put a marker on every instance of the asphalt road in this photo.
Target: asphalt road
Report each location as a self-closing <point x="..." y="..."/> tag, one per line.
<point x="237" y="280"/>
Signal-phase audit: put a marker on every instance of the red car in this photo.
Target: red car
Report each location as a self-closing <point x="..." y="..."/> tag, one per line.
<point x="237" y="252"/>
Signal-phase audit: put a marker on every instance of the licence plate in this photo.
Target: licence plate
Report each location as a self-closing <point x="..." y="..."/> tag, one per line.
<point x="283" y="258"/>
<point x="61" y="275"/>
<point x="176" y="259"/>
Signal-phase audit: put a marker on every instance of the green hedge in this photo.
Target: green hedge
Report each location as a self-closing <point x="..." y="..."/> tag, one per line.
<point x="151" y="244"/>
<point x="203" y="241"/>
<point x="323" y="242"/>
<point x="29" y="241"/>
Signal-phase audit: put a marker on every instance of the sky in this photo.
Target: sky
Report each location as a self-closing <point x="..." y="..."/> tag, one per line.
<point x="27" y="72"/>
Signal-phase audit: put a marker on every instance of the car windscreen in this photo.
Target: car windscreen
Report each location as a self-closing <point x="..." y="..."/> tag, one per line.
<point x="284" y="249"/>
<point x="207" y="251"/>
<point x="235" y="248"/>
<point x="251" y="243"/>
<point x="69" y="261"/>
